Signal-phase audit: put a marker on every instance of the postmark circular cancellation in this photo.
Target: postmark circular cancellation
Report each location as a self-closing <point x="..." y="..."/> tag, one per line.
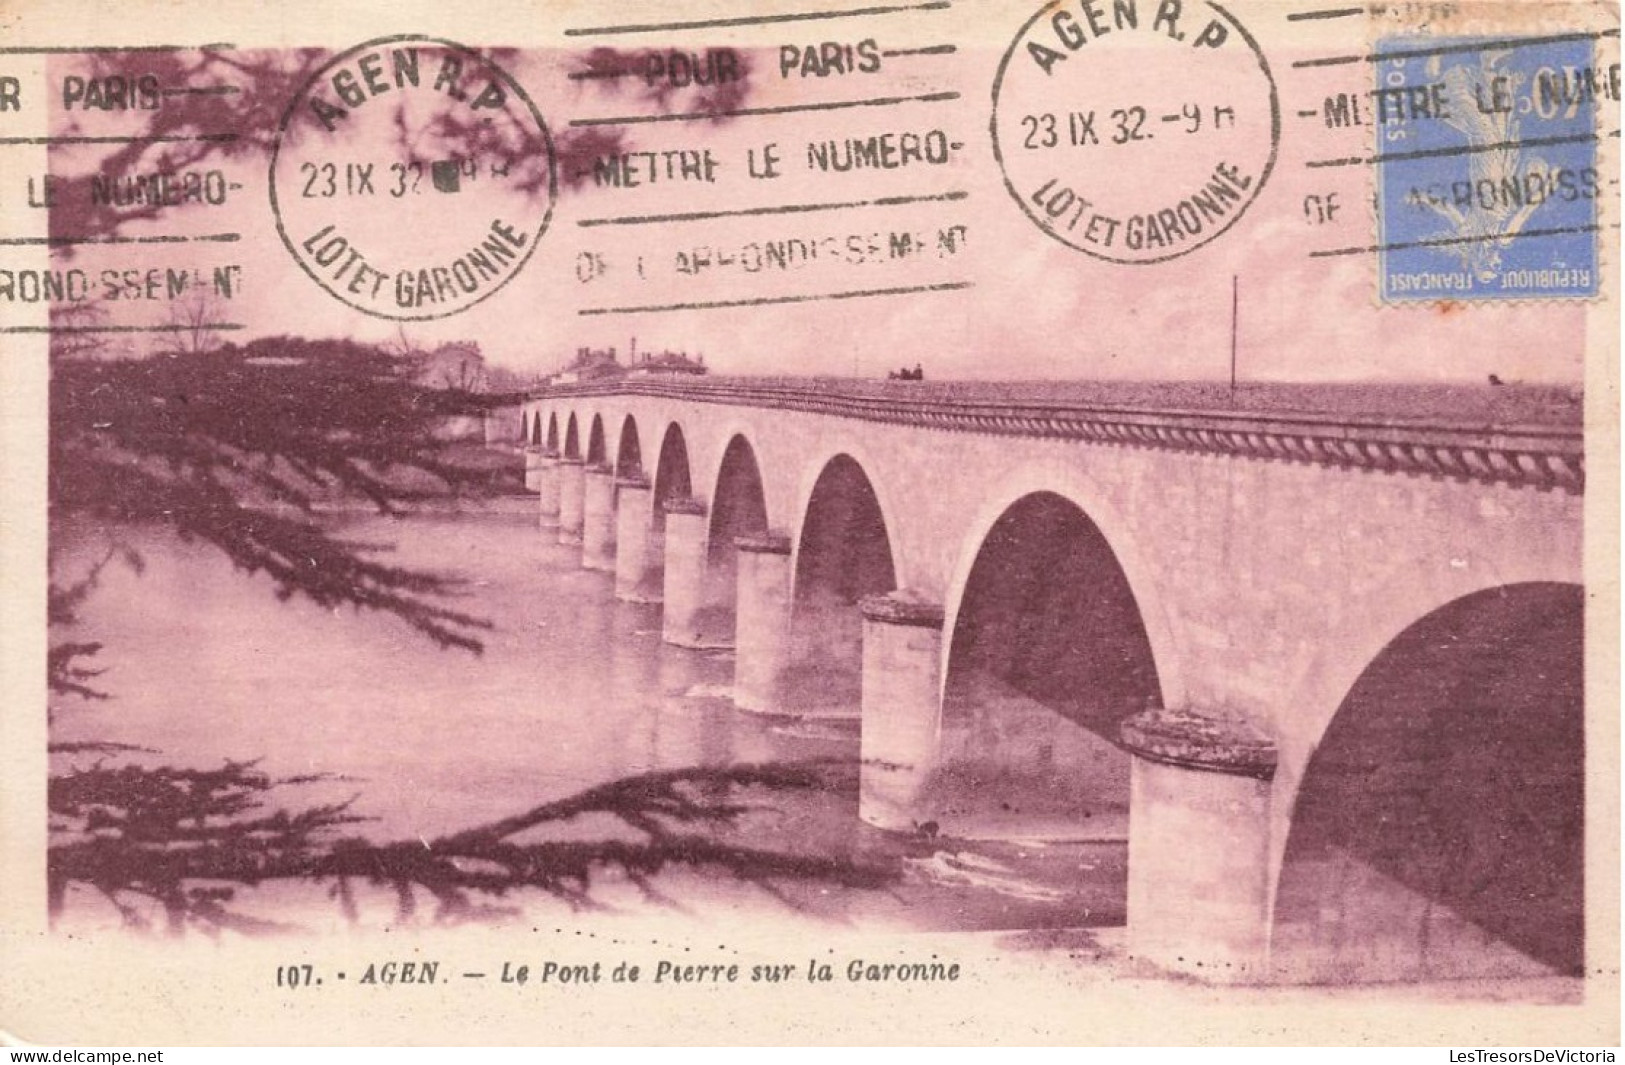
<point x="1135" y="131"/>
<point x="412" y="177"/>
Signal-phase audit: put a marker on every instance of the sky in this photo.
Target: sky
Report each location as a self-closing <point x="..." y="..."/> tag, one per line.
<point x="987" y="291"/>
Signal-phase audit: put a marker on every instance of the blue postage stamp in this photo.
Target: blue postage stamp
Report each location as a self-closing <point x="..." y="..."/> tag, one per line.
<point x="1487" y="181"/>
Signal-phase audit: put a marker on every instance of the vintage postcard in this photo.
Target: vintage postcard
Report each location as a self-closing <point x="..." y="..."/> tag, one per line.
<point x="1037" y="521"/>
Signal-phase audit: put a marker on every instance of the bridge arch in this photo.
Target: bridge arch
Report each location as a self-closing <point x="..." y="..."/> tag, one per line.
<point x="1048" y="654"/>
<point x="572" y="439"/>
<point x="672" y="478"/>
<point x="739" y="502"/>
<point x="843" y="551"/>
<point x="1437" y="829"/>
<point x="629" y="452"/>
<point x="597" y="452"/>
<point x="1442" y="574"/>
<point x="813" y="471"/>
<point x="1110" y="519"/>
<point x="738" y="507"/>
<point x="552" y="432"/>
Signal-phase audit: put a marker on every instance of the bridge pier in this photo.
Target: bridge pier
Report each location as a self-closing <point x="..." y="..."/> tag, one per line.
<point x="1198" y="847"/>
<point x="684" y="589"/>
<point x="533" y="468"/>
<point x="572" y="486"/>
<point x="902" y="662"/>
<point x="547" y="488"/>
<point x="762" y="621"/>
<point x="635" y="573"/>
<point x="598" y="519"/>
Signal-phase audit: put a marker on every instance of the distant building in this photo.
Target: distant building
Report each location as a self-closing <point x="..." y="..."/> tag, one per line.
<point x="595" y="364"/>
<point x="590" y="364"/>
<point x="668" y="362"/>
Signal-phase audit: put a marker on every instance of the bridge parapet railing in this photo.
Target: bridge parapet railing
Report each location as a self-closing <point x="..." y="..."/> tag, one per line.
<point x="1519" y="435"/>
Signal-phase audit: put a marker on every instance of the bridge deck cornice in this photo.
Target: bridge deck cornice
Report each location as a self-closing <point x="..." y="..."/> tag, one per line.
<point x="1542" y="456"/>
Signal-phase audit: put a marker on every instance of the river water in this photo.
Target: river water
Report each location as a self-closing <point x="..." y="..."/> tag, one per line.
<point x="573" y="689"/>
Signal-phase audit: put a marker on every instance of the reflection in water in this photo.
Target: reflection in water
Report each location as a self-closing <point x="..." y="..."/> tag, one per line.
<point x="574" y="689"/>
<point x="1012" y="766"/>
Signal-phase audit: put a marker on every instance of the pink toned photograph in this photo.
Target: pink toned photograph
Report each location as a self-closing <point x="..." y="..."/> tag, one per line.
<point x="937" y="521"/>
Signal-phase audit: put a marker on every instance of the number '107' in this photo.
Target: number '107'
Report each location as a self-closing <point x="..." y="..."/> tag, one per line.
<point x="295" y="975"/>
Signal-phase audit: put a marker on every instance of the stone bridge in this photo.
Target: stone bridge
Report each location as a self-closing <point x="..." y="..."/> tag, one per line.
<point x="1314" y="654"/>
